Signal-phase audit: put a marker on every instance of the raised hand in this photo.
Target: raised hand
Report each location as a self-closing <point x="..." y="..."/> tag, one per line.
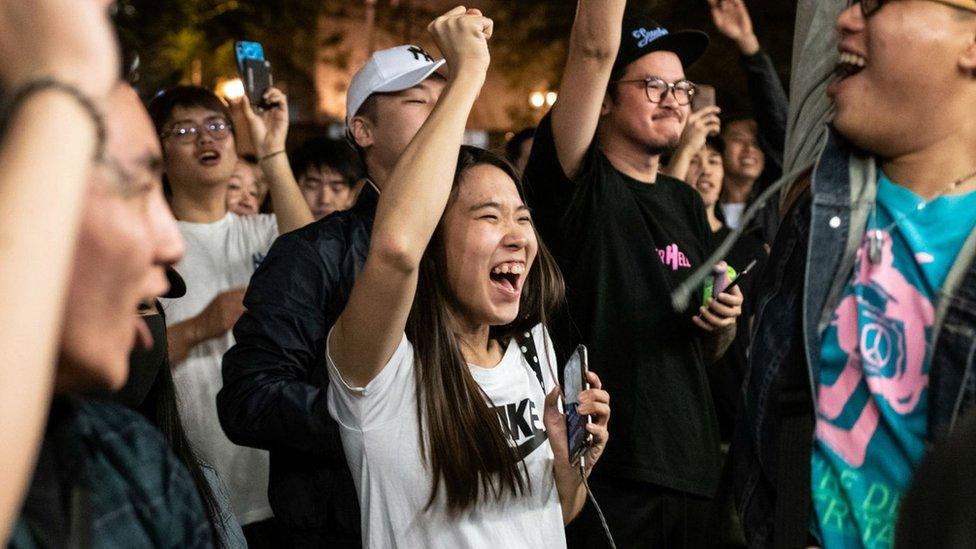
<point x="731" y="17"/>
<point x="69" y="40"/>
<point x="701" y="124"/>
<point x="268" y="127"/>
<point x="462" y="36"/>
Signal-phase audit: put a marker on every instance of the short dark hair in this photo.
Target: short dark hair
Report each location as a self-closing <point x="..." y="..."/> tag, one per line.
<point x="514" y="146"/>
<point x="737" y="116"/>
<point x="162" y="106"/>
<point x="716" y="143"/>
<point x="321" y="152"/>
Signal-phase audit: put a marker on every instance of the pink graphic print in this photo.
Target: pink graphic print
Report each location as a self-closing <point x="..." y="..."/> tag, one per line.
<point x="673" y="257"/>
<point x="886" y="347"/>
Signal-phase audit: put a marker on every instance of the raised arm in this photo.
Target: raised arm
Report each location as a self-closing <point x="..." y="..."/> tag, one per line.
<point x="268" y="131"/>
<point x="69" y="41"/>
<point x="593" y="47"/>
<point x="769" y="102"/>
<point x="410" y="207"/>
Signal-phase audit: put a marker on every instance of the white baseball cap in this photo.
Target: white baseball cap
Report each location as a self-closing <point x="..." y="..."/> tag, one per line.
<point x="389" y="70"/>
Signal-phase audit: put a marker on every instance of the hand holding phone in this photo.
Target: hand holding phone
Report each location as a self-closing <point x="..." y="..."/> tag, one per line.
<point x="255" y="72"/>
<point x="575" y="382"/>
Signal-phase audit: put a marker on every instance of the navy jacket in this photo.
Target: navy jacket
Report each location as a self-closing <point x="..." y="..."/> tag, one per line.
<point x="275" y="377"/>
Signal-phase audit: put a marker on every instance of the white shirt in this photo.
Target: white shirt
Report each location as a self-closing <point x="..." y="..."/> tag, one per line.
<point x="733" y="213"/>
<point x="380" y="435"/>
<point x="219" y="256"/>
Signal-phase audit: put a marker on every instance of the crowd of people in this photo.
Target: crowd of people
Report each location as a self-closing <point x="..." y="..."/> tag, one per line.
<point x="213" y="341"/>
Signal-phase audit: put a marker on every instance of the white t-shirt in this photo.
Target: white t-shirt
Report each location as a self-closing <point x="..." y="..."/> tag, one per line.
<point x="219" y="256"/>
<point x="733" y="213"/>
<point x="380" y="435"/>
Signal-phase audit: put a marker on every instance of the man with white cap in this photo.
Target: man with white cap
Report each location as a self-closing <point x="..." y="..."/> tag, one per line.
<point x="275" y="377"/>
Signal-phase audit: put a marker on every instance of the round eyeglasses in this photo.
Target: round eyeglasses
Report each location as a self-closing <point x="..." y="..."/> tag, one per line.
<point x="657" y="89"/>
<point x="218" y="129"/>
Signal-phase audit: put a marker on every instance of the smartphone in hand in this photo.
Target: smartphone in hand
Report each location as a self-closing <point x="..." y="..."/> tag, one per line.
<point x="254" y="70"/>
<point x="574" y="383"/>
<point x="704" y="97"/>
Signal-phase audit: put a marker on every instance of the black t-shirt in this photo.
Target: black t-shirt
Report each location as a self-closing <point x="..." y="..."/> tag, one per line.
<point x="623" y="245"/>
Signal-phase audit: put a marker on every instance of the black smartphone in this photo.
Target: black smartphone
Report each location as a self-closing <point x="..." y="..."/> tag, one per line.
<point x="255" y="71"/>
<point x="704" y="97"/>
<point x="574" y="383"/>
<point x="738" y="278"/>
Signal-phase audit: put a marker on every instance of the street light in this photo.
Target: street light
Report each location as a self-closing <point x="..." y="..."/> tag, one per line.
<point x="537" y="99"/>
<point x="551" y="98"/>
<point x="231" y="89"/>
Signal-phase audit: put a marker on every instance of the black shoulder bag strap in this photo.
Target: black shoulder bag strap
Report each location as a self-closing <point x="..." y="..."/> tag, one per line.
<point x="527" y="344"/>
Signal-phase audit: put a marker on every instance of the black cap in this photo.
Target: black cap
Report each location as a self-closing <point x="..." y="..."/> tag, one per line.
<point x="642" y="35"/>
<point x="177" y="288"/>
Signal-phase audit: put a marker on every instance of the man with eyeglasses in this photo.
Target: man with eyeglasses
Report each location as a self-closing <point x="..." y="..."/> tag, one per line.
<point x="864" y="347"/>
<point x="624" y="235"/>
<point x="222" y="251"/>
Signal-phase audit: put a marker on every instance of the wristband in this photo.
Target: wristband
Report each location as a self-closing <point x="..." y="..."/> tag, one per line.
<point x="33" y="87"/>
<point x="269" y="155"/>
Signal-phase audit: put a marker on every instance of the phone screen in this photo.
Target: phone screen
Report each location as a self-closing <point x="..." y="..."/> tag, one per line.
<point x="574" y="382"/>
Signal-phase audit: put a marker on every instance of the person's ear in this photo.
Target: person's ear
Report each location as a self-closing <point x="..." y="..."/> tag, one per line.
<point x="362" y="132"/>
<point x="967" y="60"/>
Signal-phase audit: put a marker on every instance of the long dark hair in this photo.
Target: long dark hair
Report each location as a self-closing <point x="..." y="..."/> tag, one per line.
<point x="161" y="409"/>
<point x="466" y="447"/>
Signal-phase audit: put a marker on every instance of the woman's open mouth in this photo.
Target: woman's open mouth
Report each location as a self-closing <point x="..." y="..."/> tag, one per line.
<point x="507" y="277"/>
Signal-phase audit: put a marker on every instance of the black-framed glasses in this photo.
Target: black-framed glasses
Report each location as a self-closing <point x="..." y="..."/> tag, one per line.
<point x="187" y="132"/>
<point x="657" y="89"/>
<point x="870" y="7"/>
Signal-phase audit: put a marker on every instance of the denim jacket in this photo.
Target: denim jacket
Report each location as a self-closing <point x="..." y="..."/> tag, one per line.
<point x="812" y="258"/>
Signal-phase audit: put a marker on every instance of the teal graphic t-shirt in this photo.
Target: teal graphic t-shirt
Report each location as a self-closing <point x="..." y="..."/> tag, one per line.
<point x="873" y="389"/>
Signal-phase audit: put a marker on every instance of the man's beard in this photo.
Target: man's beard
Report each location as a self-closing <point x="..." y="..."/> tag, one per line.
<point x="663" y="148"/>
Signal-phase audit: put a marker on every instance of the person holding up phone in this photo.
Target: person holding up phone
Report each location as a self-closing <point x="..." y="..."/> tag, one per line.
<point x="223" y="251"/>
<point x="447" y="427"/>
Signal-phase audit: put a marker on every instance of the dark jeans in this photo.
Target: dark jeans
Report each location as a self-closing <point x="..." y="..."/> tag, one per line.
<point x="646" y="515"/>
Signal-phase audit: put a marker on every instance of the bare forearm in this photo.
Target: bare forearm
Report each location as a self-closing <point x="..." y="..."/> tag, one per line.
<point x="596" y="29"/>
<point x="409" y="210"/>
<point x="593" y="47"/>
<point x="291" y="210"/>
<point x="182" y="337"/>
<point x="36" y="257"/>
<point x="717" y="343"/>
<point x="748" y="45"/>
<point x="422" y="178"/>
<point x="572" y="498"/>
<point x="679" y="164"/>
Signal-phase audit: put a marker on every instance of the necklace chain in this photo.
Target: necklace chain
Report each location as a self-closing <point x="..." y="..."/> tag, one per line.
<point x="877" y="234"/>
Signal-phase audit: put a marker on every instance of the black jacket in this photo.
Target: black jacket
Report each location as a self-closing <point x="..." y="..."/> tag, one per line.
<point x="771" y="108"/>
<point x="275" y="377"/>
